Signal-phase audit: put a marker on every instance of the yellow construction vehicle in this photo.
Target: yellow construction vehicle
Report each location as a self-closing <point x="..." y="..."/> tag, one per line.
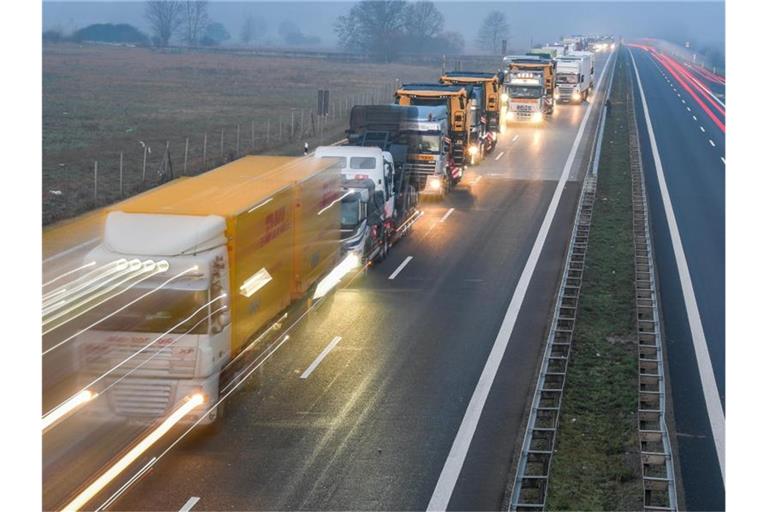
<point x="487" y="85"/>
<point x="464" y="121"/>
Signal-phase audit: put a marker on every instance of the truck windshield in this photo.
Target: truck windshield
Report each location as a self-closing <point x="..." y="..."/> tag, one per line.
<point x="350" y="211"/>
<point x="158" y="312"/>
<point x="524" y="91"/>
<point x="569" y="78"/>
<point x="418" y="143"/>
<point x="362" y="162"/>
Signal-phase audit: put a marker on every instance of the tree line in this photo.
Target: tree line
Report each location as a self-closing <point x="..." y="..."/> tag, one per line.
<point x="385" y="29"/>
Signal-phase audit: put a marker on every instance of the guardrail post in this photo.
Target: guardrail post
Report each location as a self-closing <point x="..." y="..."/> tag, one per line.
<point x="186" y="154"/>
<point x="95" y="182"/>
<point x="205" y="148"/>
<point x="144" y="165"/>
<point x="237" y="141"/>
<point x="121" y="174"/>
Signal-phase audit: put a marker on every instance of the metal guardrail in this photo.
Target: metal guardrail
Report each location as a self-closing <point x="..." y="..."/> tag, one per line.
<point x="529" y="491"/>
<point x="659" y="487"/>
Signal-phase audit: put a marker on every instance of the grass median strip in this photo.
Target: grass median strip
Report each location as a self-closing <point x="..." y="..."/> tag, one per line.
<point x="596" y="465"/>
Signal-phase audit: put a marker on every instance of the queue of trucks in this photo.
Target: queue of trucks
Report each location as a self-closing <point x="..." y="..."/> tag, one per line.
<point x="231" y="249"/>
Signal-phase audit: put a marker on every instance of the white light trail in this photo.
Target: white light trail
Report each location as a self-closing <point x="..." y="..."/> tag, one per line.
<point x="67" y="407"/>
<point x="88" y="279"/>
<point x="92" y="490"/>
<point x="350" y="262"/>
<point x="68" y="273"/>
<point x="335" y="201"/>
<point x="149" y="270"/>
<point x="134" y="301"/>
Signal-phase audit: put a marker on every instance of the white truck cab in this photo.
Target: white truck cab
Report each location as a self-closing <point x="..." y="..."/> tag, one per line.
<point x="358" y="163"/>
<point x="572" y="78"/>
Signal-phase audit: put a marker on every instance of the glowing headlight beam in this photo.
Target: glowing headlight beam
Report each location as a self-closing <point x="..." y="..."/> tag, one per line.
<point x="121" y="308"/>
<point x="68" y="273"/>
<point x="67" y="407"/>
<point x="101" y="377"/>
<point x="77" y="307"/>
<point x="350" y="262"/>
<point x="335" y="201"/>
<point x="92" y="490"/>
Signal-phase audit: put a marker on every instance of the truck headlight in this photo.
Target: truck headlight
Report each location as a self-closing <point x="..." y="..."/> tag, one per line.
<point x="537" y="117"/>
<point x="557" y="95"/>
<point x="473" y="149"/>
<point x="434" y="183"/>
<point x="510" y="116"/>
<point x="505" y="97"/>
<point x="575" y="95"/>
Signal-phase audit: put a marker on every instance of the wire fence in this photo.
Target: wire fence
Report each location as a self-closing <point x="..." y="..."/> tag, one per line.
<point x="73" y="188"/>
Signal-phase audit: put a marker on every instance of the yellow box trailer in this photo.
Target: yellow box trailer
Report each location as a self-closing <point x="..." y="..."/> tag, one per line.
<point x="231" y="249"/>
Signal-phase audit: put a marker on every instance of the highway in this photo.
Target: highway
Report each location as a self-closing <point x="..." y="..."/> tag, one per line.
<point x="684" y="163"/>
<point x="361" y="407"/>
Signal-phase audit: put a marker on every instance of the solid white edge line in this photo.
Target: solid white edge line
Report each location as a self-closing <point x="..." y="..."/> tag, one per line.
<point x="704" y="363"/>
<point x="319" y="359"/>
<point x="191" y="502"/>
<point x="446" y="215"/>
<point x="441" y="496"/>
<point x="499" y="155"/>
<point x="72" y="249"/>
<point x="401" y="267"/>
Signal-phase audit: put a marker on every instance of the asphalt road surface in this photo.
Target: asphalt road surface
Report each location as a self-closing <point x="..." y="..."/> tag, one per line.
<point x="690" y="140"/>
<point x="360" y="408"/>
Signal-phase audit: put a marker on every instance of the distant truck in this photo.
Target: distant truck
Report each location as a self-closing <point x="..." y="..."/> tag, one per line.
<point x="529" y="88"/>
<point x="378" y="203"/>
<point x="573" y="78"/>
<point x="224" y="254"/>
<point x="589" y="57"/>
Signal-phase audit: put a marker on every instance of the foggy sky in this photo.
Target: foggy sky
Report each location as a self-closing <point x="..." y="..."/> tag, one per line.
<point x="702" y="23"/>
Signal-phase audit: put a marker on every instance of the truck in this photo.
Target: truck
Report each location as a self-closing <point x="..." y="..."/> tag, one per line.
<point x="573" y="78"/>
<point x="491" y="107"/>
<point x="589" y="57"/>
<point x="464" y="126"/>
<point x="529" y="87"/>
<point x="226" y="253"/>
<point x="379" y="201"/>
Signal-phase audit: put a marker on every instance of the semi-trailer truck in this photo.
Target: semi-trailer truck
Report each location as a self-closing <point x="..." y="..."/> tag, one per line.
<point x="491" y="107"/>
<point x="463" y="119"/>
<point x="529" y="88"/>
<point x="227" y="251"/>
<point x="418" y="138"/>
<point x="573" y="79"/>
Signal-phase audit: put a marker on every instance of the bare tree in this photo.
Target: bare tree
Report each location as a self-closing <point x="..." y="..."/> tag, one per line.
<point x="373" y="26"/>
<point x="165" y="18"/>
<point x="423" y="21"/>
<point x="493" y="30"/>
<point x="195" y="16"/>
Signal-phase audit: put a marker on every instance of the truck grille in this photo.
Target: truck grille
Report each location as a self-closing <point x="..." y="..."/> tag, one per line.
<point x="420" y="168"/>
<point x="155" y="361"/>
<point x="141" y="398"/>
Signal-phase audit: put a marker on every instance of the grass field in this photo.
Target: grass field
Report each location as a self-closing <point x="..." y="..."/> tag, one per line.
<point x="597" y="463"/>
<point x="99" y="101"/>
